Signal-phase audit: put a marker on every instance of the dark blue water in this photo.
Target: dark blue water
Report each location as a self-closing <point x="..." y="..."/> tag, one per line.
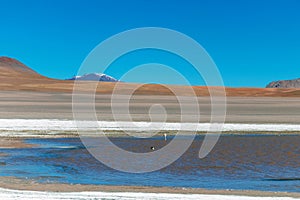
<point x="268" y="163"/>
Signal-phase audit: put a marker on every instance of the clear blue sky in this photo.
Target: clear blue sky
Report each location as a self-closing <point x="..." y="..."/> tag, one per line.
<point x="252" y="42"/>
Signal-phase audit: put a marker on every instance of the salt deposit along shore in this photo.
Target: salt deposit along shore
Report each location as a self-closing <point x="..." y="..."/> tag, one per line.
<point x="137" y="193"/>
<point x="42" y="127"/>
<point x="18" y="194"/>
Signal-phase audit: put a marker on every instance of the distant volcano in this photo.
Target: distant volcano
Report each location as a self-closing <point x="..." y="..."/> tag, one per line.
<point x="94" y="77"/>
<point x="285" y="84"/>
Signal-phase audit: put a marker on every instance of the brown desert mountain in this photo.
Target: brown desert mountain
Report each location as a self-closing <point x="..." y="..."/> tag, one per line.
<point x="11" y="68"/>
<point x="15" y="76"/>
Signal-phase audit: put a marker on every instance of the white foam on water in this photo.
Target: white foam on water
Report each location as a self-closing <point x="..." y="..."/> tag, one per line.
<point x="7" y="194"/>
<point x="22" y="127"/>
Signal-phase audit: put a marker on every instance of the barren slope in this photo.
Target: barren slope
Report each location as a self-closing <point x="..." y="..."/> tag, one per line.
<point x="15" y="76"/>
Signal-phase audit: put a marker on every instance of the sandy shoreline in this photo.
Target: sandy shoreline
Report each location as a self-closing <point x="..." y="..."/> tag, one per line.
<point x="28" y="185"/>
<point x="20" y="194"/>
<point x="10" y="143"/>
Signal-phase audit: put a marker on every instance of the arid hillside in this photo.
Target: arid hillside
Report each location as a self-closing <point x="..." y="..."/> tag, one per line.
<point x="15" y="76"/>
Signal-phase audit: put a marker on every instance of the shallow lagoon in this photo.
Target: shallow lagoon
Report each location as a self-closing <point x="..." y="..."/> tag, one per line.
<point x="249" y="162"/>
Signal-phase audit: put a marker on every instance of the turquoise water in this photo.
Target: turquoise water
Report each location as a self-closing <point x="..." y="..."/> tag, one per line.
<point x="268" y="163"/>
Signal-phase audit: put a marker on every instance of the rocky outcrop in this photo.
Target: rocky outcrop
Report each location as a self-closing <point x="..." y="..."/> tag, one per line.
<point x="285" y="84"/>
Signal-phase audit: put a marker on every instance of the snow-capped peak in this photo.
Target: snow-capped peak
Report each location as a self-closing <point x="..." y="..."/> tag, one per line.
<point x="94" y="77"/>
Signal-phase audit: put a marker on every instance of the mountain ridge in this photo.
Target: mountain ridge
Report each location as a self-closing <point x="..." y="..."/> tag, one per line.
<point x="294" y="83"/>
<point x="15" y="76"/>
